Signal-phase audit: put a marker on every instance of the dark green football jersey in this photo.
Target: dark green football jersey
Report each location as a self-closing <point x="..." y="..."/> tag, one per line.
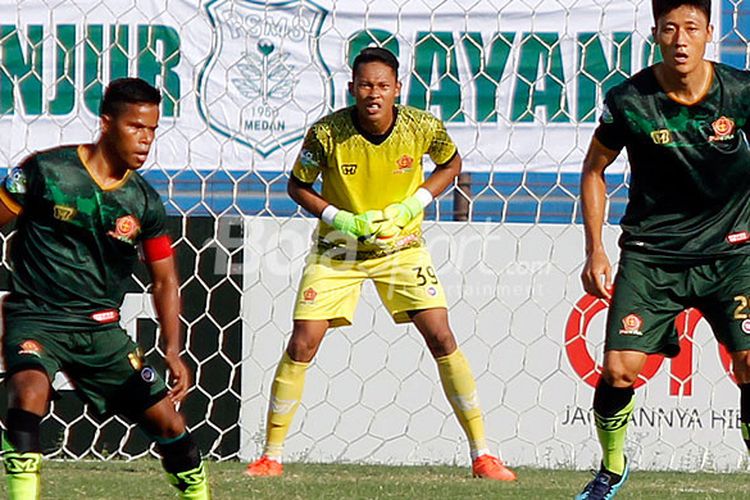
<point x="76" y="242"/>
<point x="689" y="196"/>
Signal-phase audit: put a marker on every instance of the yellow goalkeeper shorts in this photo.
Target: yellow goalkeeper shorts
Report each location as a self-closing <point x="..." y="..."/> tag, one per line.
<point x="405" y="281"/>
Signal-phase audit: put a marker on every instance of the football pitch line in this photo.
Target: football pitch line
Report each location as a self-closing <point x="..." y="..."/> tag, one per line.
<point x="143" y="479"/>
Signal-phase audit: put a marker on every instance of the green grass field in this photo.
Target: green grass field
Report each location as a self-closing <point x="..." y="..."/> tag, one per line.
<point x="143" y="480"/>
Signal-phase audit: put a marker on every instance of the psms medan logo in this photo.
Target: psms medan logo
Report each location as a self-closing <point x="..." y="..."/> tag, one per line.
<point x="265" y="81"/>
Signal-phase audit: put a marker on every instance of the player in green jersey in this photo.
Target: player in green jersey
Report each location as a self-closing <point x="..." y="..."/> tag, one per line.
<point x="82" y="213"/>
<point x="686" y="228"/>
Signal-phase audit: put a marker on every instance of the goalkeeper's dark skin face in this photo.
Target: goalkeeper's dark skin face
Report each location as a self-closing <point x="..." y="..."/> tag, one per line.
<point x="682" y="35"/>
<point x="128" y="135"/>
<point x="375" y="89"/>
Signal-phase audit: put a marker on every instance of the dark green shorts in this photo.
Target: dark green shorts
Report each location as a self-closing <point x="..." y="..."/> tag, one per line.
<point x="648" y="297"/>
<point x="106" y="367"/>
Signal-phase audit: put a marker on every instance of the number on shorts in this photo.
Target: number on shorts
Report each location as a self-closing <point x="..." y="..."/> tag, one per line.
<point x="740" y="312"/>
<point x="431" y="276"/>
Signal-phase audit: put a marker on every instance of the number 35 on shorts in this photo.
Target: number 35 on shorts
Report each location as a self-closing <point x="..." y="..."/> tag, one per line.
<point x="425" y="275"/>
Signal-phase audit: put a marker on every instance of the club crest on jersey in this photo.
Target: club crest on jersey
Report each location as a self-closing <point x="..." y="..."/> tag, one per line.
<point x="309" y="295"/>
<point x="30" y="347"/>
<point x="63" y="213"/>
<point x="349" y="168"/>
<point x="404" y="164"/>
<point x="631" y="325"/>
<point x="723" y="130"/>
<point x="661" y="136"/>
<point x="126" y="229"/>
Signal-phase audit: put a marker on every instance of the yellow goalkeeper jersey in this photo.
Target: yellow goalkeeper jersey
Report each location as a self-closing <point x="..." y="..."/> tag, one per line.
<point x="361" y="172"/>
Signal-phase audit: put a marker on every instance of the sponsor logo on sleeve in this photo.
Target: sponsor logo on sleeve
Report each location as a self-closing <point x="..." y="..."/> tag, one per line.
<point x="307" y="159"/>
<point x="16" y="181"/>
<point x="746" y="326"/>
<point x="607" y="115"/>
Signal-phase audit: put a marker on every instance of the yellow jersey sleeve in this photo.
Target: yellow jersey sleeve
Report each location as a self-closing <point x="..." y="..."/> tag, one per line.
<point x="312" y="157"/>
<point x="442" y="148"/>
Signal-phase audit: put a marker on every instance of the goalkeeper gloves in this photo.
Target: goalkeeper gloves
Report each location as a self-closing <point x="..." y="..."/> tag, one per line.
<point x="361" y="227"/>
<point x="404" y="212"/>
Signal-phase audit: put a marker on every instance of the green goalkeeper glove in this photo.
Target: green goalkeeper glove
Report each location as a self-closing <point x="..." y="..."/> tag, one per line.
<point x="361" y="227"/>
<point x="404" y="212"/>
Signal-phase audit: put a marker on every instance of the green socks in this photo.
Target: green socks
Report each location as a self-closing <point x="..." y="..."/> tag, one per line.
<point x="192" y="484"/>
<point x="21" y="472"/>
<point x="611" y="431"/>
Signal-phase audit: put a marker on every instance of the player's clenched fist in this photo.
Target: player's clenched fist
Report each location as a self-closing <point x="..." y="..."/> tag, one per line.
<point x="360" y="226"/>
<point x="404" y="212"/>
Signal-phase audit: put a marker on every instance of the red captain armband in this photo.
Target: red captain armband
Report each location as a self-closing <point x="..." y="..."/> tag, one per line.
<point x="157" y="248"/>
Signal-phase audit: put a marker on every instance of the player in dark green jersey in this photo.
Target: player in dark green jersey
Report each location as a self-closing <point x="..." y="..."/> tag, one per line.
<point x="686" y="229"/>
<point x="82" y="214"/>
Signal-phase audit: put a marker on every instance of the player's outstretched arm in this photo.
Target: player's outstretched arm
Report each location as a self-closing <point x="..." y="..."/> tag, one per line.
<point x="597" y="272"/>
<point x="165" y="290"/>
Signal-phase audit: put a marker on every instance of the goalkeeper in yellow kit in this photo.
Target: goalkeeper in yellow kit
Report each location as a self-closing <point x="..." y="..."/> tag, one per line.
<point x="371" y="207"/>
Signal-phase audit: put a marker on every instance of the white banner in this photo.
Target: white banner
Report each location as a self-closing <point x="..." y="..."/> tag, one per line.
<point x="531" y="336"/>
<point x="518" y="86"/>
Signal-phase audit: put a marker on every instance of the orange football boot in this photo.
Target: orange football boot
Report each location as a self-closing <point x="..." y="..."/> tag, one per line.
<point x="264" y="467"/>
<point x="489" y="467"/>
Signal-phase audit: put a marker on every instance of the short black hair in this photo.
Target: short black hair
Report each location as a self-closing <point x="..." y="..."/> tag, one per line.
<point x="663" y="7"/>
<point x="127" y="91"/>
<point x="375" y="54"/>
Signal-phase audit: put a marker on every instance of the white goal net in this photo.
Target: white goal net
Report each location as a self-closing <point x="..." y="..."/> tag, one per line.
<point x="519" y="85"/>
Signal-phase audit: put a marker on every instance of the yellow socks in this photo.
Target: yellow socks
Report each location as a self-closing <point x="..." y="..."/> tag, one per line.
<point x="461" y="390"/>
<point x="286" y="393"/>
